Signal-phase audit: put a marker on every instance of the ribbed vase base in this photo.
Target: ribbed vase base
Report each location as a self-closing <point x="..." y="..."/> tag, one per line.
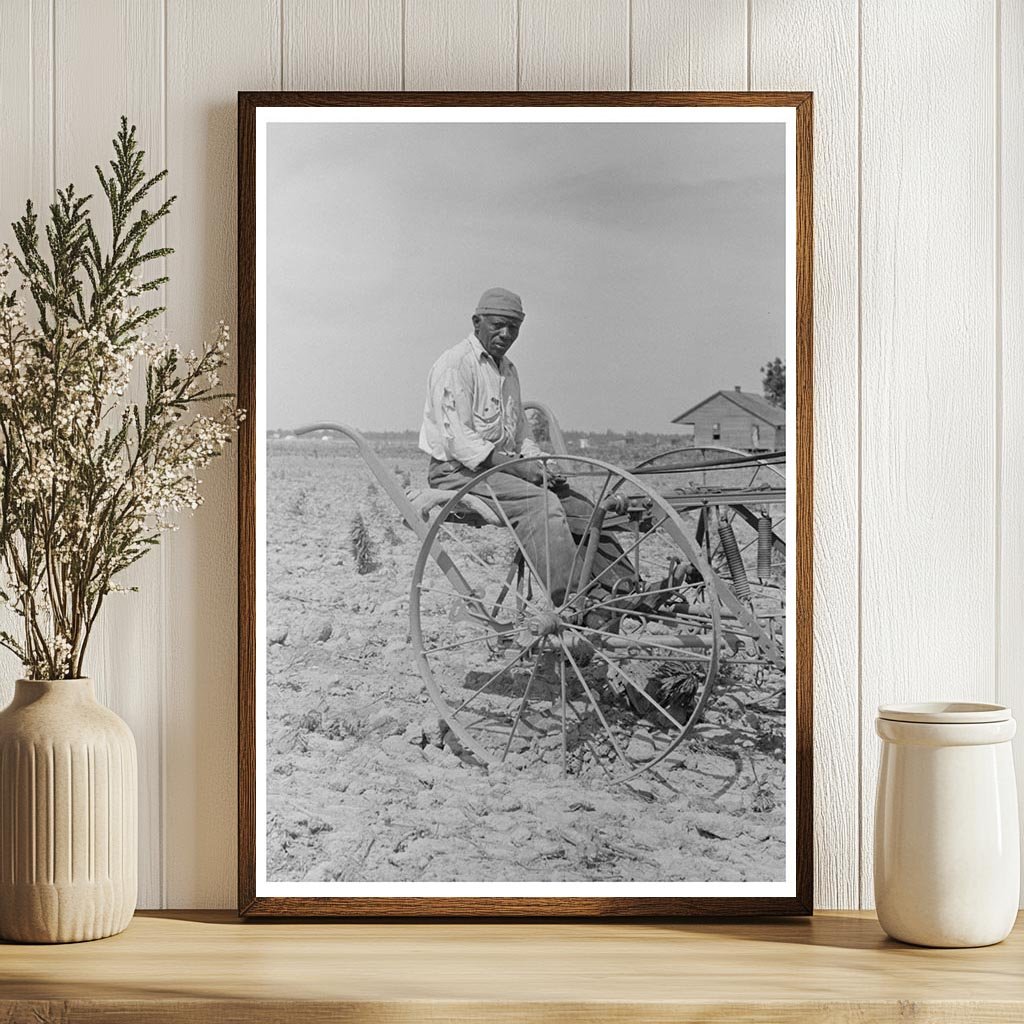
<point x="63" y="913"/>
<point x="68" y="815"/>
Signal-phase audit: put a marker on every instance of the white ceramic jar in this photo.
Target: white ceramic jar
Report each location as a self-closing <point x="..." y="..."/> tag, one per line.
<point x="947" y="848"/>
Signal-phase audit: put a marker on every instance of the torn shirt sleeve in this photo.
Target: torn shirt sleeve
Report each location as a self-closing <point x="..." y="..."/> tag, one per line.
<point x="453" y="403"/>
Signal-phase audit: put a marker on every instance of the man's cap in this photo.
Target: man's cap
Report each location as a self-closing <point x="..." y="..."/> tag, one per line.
<point x="500" y="302"/>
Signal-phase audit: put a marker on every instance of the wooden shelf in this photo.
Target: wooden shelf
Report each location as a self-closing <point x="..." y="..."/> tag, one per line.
<point x="202" y="967"/>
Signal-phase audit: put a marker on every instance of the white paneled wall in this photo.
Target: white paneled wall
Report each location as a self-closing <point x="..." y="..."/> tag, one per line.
<point x="786" y="53"/>
<point x="919" y="324"/>
<point x="928" y="409"/>
<point x="1009" y="317"/>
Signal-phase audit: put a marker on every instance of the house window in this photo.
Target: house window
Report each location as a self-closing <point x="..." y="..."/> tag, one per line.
<point x="755" y="436"/>
<point x="716" y="431"/>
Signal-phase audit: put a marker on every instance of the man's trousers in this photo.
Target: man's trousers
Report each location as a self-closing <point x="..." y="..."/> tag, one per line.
<point x="552" y="520"/>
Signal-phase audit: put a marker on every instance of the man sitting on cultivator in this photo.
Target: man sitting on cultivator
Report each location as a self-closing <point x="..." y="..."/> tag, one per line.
<point x="473" y="420"/>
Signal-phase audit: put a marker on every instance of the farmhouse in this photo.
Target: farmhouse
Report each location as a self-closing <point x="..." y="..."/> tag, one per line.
<point x="737" y="419"/>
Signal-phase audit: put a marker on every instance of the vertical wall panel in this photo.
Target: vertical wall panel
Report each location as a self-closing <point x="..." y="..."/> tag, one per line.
<point x="213" y="51"/>
<point x="814" y="46"/>
<point x="574" y="44"/>
<point x="689" y="44"/>
<point x="122" y="657"/>
<point x="26" y="171"/>
<point x="465" y="44"/>
<point x="26" y="70"/>
<point x="928" y="401"/>
<point x="1011" y="240"/>
<point x="342" y="44"/>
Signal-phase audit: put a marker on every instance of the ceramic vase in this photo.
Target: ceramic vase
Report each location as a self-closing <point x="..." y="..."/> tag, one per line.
<point x="68" y="815"/>
<point x="947" y="848"/>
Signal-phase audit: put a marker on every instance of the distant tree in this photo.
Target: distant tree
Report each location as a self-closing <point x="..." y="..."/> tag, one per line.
<point x="773" y="380"/>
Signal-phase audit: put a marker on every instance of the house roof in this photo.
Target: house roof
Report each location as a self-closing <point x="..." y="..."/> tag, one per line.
<point x="753" y="404"/>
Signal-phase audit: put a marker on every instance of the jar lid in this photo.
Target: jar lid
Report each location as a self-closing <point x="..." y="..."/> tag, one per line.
<point x="945" y="713"/>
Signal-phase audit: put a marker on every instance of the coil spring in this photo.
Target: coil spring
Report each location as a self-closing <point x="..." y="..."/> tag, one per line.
<point x="737" y="571"/>
<point x="764" y="546"/>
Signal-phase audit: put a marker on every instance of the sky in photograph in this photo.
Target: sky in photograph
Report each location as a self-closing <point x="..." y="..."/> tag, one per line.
<point x="650" y="259"/>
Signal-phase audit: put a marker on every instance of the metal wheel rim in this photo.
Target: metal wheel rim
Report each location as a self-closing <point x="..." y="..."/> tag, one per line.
<point x="674" y="528"/>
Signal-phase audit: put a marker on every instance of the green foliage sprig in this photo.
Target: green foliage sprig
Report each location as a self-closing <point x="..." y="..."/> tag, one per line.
<point x="89" y="477"/>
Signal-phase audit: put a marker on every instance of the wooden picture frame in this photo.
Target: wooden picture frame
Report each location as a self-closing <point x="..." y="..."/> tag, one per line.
<point x="254" y="899"/>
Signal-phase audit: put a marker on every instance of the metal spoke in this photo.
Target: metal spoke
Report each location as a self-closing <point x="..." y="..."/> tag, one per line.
<point x="636" y="614"/>
<point x="510" y="576"/>
<point x="519" y="543"/>
<point x="476" y="693"/>
<point x="522" y="708"/>
<point x="636" y="559"/>
<point x="645" y="641"/>
<point x="611" y="565"/>
<point x="640" y="690"/>
<point x="561" y="679"/>
<point x="597" y="708"/>
<point x="584" y="734"/>
<point x="487" y="570"/>
<point x="683" y="659"/>
<point x="547" y="528"/>
<point x="590" y="524"/>
<point x="695" y="716"/>
<point x="652" y="616"/>
<point x="464" y="643"/>
<point x="610" y="603"/>
<point x="484" y="567"/>
<point x="452" y="593"/>
<point x="635" y="594"/>
<point x="478" y="603"/>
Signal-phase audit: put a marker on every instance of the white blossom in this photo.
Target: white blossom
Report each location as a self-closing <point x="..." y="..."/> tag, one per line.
<point x="88" y="482"/>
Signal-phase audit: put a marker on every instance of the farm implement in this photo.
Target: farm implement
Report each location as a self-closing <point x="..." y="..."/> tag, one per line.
<point x="612" y="675"/>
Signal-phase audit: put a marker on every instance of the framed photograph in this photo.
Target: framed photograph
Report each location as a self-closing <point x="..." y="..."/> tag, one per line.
<point x="525" y="504"/>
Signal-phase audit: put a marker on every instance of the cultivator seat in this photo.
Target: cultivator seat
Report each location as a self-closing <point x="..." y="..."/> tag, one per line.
<point x="471" y="510"/>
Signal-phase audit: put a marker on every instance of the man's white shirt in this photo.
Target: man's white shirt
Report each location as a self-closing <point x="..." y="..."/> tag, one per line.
<point x="474" y="407"/>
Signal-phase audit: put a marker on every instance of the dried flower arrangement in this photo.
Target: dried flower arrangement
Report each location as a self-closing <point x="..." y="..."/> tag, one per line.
<point x="90" y="477"/>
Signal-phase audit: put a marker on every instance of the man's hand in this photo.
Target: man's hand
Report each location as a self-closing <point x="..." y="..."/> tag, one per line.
<point x="528" y="471"/>
<point x="556" y="475"/>
<point x="525" y="469"/>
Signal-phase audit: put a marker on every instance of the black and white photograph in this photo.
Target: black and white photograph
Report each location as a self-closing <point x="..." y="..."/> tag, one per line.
<point x="525" y="524"/>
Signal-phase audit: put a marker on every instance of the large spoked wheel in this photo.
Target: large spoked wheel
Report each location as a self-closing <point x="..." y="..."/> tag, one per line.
<point x="592" y="648"/>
